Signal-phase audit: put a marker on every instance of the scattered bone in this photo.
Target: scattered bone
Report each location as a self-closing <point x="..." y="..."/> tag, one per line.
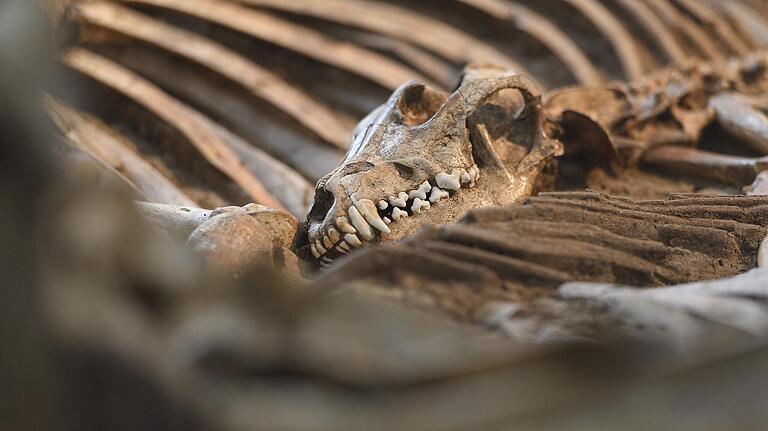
<point x="363" y="228"/>
<point x="368" y="210"/>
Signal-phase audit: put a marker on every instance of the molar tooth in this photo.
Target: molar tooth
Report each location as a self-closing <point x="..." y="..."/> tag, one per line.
<point x="327" y="260"/>
<point x="397" y="213"/>
<point x="327" y="243"/>
<point x="334" y="236"/>
<point x="418" y="205"/>
<point x="315" y="252"/>
<point x="420" y="192"/>
<point x="343" y="224"/>
<point x="344" y="247"/>
<point x="363" y="228"/>
<point x="353" y="240"/>
<point x="320" y="247"/>
<point x="437" y="194"/>
<point x="446" y="181"/>
<point x="368" y="210"/>
<point x="383" y="205"/>
<point x="400" y="200"/>
<point x="341" y="250"/>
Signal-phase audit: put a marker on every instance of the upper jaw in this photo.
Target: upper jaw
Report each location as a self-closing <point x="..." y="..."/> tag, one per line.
<point x="358" y="219"/>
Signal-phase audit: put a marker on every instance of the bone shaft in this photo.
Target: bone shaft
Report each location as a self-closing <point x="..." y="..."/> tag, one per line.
<point x="176" y="220"/>
<point x="732" y="170"/>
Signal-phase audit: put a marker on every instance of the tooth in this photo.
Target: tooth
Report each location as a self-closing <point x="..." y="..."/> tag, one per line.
<point x="341" y="250"/>
<point x="343" y="224"/>
<point x="353" y="240"/>
<point x="465" y="177"/>
<point x="327" y="260"/>
<point x="400" y="200"/>
<point x="368" y="210"/>
<point x="383" y="205"/>
<point x="445" y="181"/>
<point x="327" y="243"/>
<point x="387" y="220"/>
<point x="334" y="236"/>
<point x="474" y="174"/>
<point x="421" y="192"/>
<point x="343" y="247"/>
<point x="314" y="251"/>
<point x="363" y="228"/>
<point x="320" y="247"/>
<point x="324" y="265"/>
<point x="418" y="205"/>
<point x="437" y="194"/>
<point x="397" y="213"/>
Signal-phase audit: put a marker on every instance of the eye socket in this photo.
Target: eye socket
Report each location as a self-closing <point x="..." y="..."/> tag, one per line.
<point x="321" y="204"/>
<point x="357" y="167"/>
<point x="405" y="171"/>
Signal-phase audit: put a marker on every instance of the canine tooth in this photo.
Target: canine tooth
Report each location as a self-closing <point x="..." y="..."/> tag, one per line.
<point x="397" y="213"/>
<point x="418" y="205"/>
<point x="343" y="224"/>
<point x="368" y="209"/>
<point x="353" y="240"/>
<point x="314" y="251"/>
<point x="437" y="194"/>
<point x="327" y="243"/>
<point x="320" y="247"/>
<point x="400" y="200"/>
<point x="343" y="247"/>
<point x="334" y="236"/>
<point x="383" y="205"/>
<point x="387" y="220"/>
<point x="446" y="181"/>
<point x="363" y="228"/>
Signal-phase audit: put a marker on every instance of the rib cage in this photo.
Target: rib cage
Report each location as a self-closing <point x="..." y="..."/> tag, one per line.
<point x="231" y="101"/>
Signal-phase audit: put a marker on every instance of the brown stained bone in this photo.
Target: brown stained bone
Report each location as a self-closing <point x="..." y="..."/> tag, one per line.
<point x="368" y="64"/>
<point x="710" y="17"/>
<point x="521" y="253"/>
<point x="147" y="94"/>
<point x="687" y="28"/>
<point x="109" y="147"/>
<point x="657" y="29"/>
<point x="400" y="23"/>
<point x="737" y="115"/>
<point x="732" y="170"/>
<point x="264" y="84"/>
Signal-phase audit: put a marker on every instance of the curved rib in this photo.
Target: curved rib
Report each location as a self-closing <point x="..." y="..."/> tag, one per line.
<point x="399" y="23"/>
<point x="374" y="67"/>
<point x="751" y="21"/>
<point x="176" y="114"/>
<point x="110" y="148"/>
<point x="545" y="32"/>
<point x="705" y="14"/>
<point x="621" y="40"/>
<point x="220" y="59"/>
<point x="688" y="28"/>
<point x="664" y="37"/>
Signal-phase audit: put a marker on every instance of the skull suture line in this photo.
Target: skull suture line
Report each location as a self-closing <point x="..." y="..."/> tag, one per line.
<point x="427" y="157"/>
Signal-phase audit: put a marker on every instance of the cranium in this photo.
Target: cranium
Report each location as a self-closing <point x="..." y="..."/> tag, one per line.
<point x="426" y="156"/>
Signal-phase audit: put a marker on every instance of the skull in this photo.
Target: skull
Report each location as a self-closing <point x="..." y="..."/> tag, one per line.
<point x="427" y="157"/>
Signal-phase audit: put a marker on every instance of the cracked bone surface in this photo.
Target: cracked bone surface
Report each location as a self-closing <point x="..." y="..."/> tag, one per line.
<point x="427" y="157"/>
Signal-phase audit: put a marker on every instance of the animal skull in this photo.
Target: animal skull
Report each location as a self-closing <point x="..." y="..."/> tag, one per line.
<point x="428" y="157"/>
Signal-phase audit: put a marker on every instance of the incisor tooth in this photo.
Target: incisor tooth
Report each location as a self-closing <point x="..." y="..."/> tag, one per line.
<point x="397" y="213"/>
<point x="327" y="243"/>
<point x="418" y="205"/>
<point x="334" y="236"/>
<point x="383" y="205"/>
<point x="343" y="224"/>
<point x="320" y="247"/>
<point x="400" y="200"/>
<point x="437" y="194"/>
<point x="314" y="250"/>
<point x="446" y="181"/>
<point x="363" y="228"/>
<point x="353" y="240"/>
<point x="368" y="210"/>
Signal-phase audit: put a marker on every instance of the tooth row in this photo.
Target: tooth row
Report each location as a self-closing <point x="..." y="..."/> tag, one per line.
<point x="351" y="232"/>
